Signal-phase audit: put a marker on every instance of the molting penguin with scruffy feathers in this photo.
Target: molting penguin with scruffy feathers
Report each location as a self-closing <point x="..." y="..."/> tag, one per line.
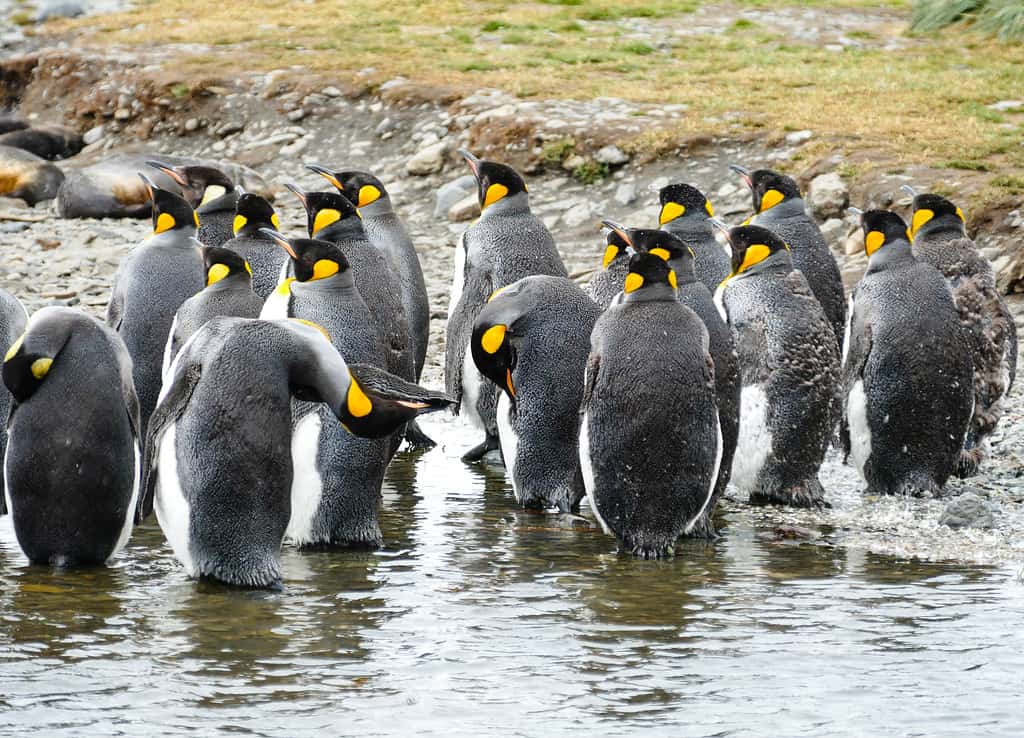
<point x="686" y="213"/>
<point x="252" y="214"/>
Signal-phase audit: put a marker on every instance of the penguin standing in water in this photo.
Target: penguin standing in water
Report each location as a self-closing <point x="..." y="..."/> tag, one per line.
<point x="940" y="239"/>
<point x="686" y="213"/>
<point x="779" y="207"/>
<point x="908" y="370"/>
<point x="789" y="368"/>
<point x="72" y="461"/>
<point x="336" y="490"/>
<point x="12" y="324"/>
<point x="695" y="295"/>
<point x="219" y="464"/>
<point x="650" y="437"/>
<point x="252" y="214"/>
<point x="532" y="340"/>
<point x="150" y="285"/>
<point x="228" y="291"/>
<point x="212" y="194"/>
<point x="606" y="284"/>
<point x="388" y="234"/>
<point x="507" y="243"/>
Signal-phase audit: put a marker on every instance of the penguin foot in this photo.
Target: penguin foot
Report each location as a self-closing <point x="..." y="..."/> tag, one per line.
<point x="806" y="494"/>
<point x="477" y="453"/>
<point x="968" y="463"/>
<point x="703" y="529"/>
<point x="417" y="439"/>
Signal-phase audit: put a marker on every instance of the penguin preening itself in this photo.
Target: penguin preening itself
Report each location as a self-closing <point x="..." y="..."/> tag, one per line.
<point x="228" y="292"/>
<point x="692" y="292"/>
<point x="253" y="213"/>
<point x="606" y="284"/>
<point x="507" y="243"/>
<point x="219" y="457"/>
<point x="650" y="438"/>
<point x="531" y="340"/>
<point x="388" y="234"/>
<point x="779" y="207"/>
<point x="789" y="368"/>
<point x="940" y="239"/>
<point x="907" y="370"/>
<point x="686" y="213"/>
<point x="151" y="284"/>
<point x="72" y="462"/>
<point x="212" y="194"/>
<point x="13" y="318"/>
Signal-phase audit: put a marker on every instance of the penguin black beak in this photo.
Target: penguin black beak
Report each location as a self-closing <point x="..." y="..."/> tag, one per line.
<point x="473" y="161"/>
<point x="170" y="172"/>
<point x="909" y="190"/>
<point x="149" y="185"/>
<point x="326" y="174"/>
<point x="281" y="240"/>
<point x="297" y="191"/>
<point x="621" y="230"/>
<point x="743" y="172"/>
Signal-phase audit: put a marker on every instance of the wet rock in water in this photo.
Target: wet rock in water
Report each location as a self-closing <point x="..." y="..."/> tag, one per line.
<point x="828" y="196"/>
<point x="968" y="511"/>
<point x="428" y="160"/>
<point x="453" y="192"/>
<point x="465" y="209"/>
<point x="613" y="156"/>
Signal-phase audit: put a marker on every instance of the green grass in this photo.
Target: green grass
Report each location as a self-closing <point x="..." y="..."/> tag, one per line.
<point x="1002" y="18"/>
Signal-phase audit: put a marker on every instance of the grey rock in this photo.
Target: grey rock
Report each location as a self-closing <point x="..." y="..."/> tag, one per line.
<point x="296" y="115"/>
<point x="828" y="196"/>
<point x="465" y="209"/>
<point x="331" y="92"/>
<point x="577" y="215"/>
<point x="854" y="243"/>
<point x="428" y="160"/>
<point x="192" y="124"/>
<point x="798" y="137"/>
<point x="122" y="114"/>
<point x="452" y="192"/>
<point x="93" y="135"/>
<point x="1004" y="105"/>
<point x="386" y="126"/>
<point x="59" y="9"/>
<point x="613" y="156"/>
<point x="625" y="193"/>
<point x="574" y="162"/>
<point x="833" y="230"/>
<point x="229" y="127"/>
<point x="968" y="511"/>
<point x="13" y="227"/>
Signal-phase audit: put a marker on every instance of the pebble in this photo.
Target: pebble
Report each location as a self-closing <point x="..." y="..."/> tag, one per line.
<point x="229" y="127"/>
<point x="428" y="160"/>
<point x="93" y="135"/>
<point x="833" y="230"/>
<point x="452" y="192"/>
<point x="613" y="156"/>
<point x="625" y="193"/>
<point x="296" y="115"/>
<point x="968" y="511"/>
<point x="576" y="216"/>
<point x="1004" y="105"/>
<point x="574" y="162"/>
<point x="828" y="196"/>
<point x="332" y="92"/>
<point x="192" y="125"/>
<point x="465" y="209"/>
<point x="798" y="137"/>
<point x="59" y="9"/>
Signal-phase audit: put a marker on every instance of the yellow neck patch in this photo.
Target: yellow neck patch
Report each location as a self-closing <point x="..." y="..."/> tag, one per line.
<point x="212" y="193"/>
<point x="672" y="278"/>
<point x="660" y="253"/>
<point x="755" y="254"/>
<point x="276" y="222"/>
<point x="494" y="193"/>
<point x="311" y="324"/>
<point x="359" y="405"/>
<point x="41" y="367"/>
<point x="164" y="222"/>
<point x="770" y="199"/>
<point x="492" y="338"/>
<point x="325" y="268"/>
<point x="670" y="211"/>
<point x="960" y="215"/>
<point x="633" y="282"/>
<point x="285" y="288"/>
<point x="324" y="218"/>
<point x="747" y="221"/>
<point x="367" y="194"/>
<point x="873" y="241"/>
<point x="920" y="218"/>
<point x="609" y="255"/>
<point x="496" y="293"/>
<point x="15" y="347"/>
<point x="216" y="273"/>
<point x="711" y="211"/>
<point x="508" y="382"/>
<point x="238" y="223"/>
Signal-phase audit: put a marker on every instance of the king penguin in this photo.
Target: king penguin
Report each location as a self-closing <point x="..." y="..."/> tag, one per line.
<point x="152" y="282"/>
<point x="940" y="238"/>
<point x="531" y="340"/>
<point x="650" y="436"/>
<point x="12" y="324"/>
<point x="789" y="368"/>
<point x="908" y="369"/>
<point x="686" y="213"/>
<point x="507" y="243"/>
<point x="388" y="234"/>
<point x="72" y="462"/>
<point x="607" y="283"/>
<point x="212" y="194"/>
<point x="228" y="291"/>
<point x="779" y="207"/>
<point x="253" y="213"/>
<point x="219" y="465"/>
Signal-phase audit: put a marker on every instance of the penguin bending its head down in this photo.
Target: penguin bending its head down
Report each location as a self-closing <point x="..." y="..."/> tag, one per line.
<point x="507" y="243"/>
<point x="686" y="213"/>
<point x="212" y="193"/>
<point x="779" y="207"/>
<point x="607" y="283"/>
<point x="907" y="371"/>
<point x="219" y="463"/>
<point x="650" y="438"/>
<point x="531" y="340"/>
<point x="789" y="368"/>
<point x="72" y="461"/>
<point x="252" y="214"/>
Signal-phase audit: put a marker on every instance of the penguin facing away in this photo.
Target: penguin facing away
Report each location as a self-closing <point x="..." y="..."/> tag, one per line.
<point x="212" y="193"/>
<point x="388" y="233"/>
<point x="940" y="239"/>
<point x="686" y="213"/>
<point x="151" y="284"/>
<point x="531" y="340"/>
<point x="779" y="207"/>
<point x="219" y="464"/>
<point x="789" y="368"/>
<point x="908" y="370"/>
<point x="13" y="318"/>
<point x="253" y="213"/>
<point x="72" y="462"/>
<point x="507" y="243"/>
<point x="650" y="438"/>
<point x="607" y="283"/>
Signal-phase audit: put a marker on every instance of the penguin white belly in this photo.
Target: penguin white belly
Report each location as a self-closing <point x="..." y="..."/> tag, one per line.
<point x="171" y="506"/>
<point x="508" y="438"/>
<point x="472" y="383"/>
<point x="719" y="300"/>
<point x="458" y="278"/>
<point x="755" y="440"/>
<point x="588" y="471"/>
<point x="166" y="365"/>
<point x="846" y="333"/>
<point x="129" y="516"/>
<point x="860" y="431"/>
<point x="307" y="484"/>
<point x="7" y="484"/>
<point x="714" y="476"/>
<point x="275" y="307"/>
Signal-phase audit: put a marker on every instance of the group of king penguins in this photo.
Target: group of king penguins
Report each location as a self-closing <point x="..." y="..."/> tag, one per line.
<point x="251" y="388"/>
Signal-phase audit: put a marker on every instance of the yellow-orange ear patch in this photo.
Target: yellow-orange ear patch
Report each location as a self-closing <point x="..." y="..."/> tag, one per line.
<point x="492" y="338"/>
<point x="672" y="278"/>
<point x="216" y="273"/>
<point x="367" y="194"/>
<point x="325" y="268"/>
<point x="921" y="217"/>
<point x="770" y="199"/>
<point x="324" y="218"/>
<point x="238" y="223"/>
<point x="164" y="222"/>
<point x="276" y="221"/>
<point x="494" y="193"/>
<point x="873" y="241"/>
<point x="670" y="211"/>
<point x="609" y="255"/>
<point x="633" y="282"/>
<point x="755" y="254"/>
<point x="359" y="405"/>
<point x="960" y="215"/>
<point x="711" y="210"/>
<point x="15" y="347"/>
<point x="661" y="253"/>
<point x="41" y="367"/>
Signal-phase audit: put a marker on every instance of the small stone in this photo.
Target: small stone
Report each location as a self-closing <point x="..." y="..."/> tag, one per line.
<point x="452" y="192"/>
<point x="828" y="196"/>
<point x="798" y="137"/>
<point x="833" y="230"/>
<point x="48" y="244"/>
<point x="1004" y="105"/>
<point x="229" y="127"/>
<point x="854" y="243"/>
<point x="296" y="115"/>
<point x="122" y="114"/>
<point x="93" y="135"/>
<point x="59" y="9"/>
<point x="968" y="511"/>
<point x="13" y="227"/>
<point x="613" y="156"/>
<point x="331" y="91"/>
<point x="385" y="126"/>
<point x="625" y="193"/>
<point x="465" y="209"/>
<point x="295" y="147"/>
<point x="192" y="125"/>
<point x="574" y="162"/>
<point x="427" y="160"/>
<point x="577" y="216"/>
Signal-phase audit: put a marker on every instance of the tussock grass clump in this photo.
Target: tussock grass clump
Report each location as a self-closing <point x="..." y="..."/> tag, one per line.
<point x="1003" y="18"/>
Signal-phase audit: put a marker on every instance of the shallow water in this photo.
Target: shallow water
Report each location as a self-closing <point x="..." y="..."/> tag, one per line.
<point x="480" y="619"/>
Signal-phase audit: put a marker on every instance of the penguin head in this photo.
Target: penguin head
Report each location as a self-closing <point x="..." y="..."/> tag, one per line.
<point x="494" y="341"/>
<point x="683" y="201"/>
<point x="199" y="184"/>
<point x="882" y="228"/>
<point x="313" y="259"/>
<point x="768" y="187"/>
<point x="223" y="263"/>
<point x="171" y="212"/>
<point x="933" y="213"/>
<point x="29" y="359"/>
<point x="751" y="247"/>
<point x="361" y="188"/>
<point x="495" y="182"/>
<point x="327" y="210"/>
<point x="662" y="244"/>
<point x="253" y="213"/>
<point x="616" y="247"/>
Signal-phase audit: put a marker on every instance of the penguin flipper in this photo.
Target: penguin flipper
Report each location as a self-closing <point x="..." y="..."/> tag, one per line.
<point x="478" y="287"/>
<point x="115" y="308"/>
<point x="857" y="351"/>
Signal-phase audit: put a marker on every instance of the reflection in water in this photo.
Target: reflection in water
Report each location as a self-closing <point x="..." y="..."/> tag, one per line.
<point x="479" y="618"/>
